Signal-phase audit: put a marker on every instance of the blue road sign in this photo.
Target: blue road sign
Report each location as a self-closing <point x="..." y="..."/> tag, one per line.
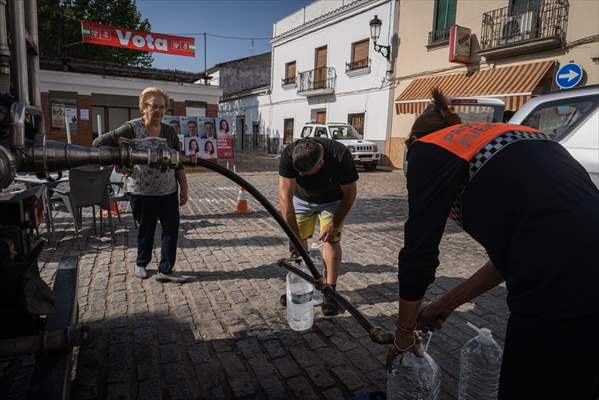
<point x="568" y="75"/>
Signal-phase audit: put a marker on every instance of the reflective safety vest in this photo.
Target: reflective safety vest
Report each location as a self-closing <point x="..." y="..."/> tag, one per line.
<point x="465" y="141"/>
<point x="477" y="144"/>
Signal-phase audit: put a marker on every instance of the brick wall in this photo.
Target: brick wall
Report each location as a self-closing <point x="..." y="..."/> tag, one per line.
<point x="179" y="108"/>
<point x="83" y="136"/>
<point x="212" y="110"/>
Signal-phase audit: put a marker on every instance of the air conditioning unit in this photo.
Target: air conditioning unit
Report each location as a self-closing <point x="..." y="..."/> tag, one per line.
<point x="520" y="27"/>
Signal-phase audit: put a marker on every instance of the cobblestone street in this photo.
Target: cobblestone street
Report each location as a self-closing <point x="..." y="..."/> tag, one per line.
<point x="224" y="335"/>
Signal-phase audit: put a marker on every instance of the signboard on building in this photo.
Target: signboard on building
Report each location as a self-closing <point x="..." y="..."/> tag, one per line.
<point x="106" y="35"/>
<point x="459" y="44"/>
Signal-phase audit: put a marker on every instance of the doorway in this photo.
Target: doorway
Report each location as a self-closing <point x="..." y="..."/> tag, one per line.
<point x="239" y="130"/>
<point x="320" y="67"/>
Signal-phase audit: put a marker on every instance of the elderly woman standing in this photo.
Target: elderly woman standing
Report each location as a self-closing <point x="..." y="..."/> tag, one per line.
<point x="153" y="192"/>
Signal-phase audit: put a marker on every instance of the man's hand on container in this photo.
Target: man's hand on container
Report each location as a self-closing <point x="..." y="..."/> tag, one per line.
<point x="432" y="316"/>
<point x="403" y="342"/>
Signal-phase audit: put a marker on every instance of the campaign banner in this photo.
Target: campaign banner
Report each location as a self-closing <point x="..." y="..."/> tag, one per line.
<point x="224" y="139"/>
<point x="106" y="35"/>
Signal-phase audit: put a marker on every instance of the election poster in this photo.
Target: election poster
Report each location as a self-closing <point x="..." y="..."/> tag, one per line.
<point x="224" y="138"/>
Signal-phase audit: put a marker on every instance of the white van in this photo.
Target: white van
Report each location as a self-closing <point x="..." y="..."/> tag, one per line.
<point x="570" y="117"/>
<point x="363" y="152"/>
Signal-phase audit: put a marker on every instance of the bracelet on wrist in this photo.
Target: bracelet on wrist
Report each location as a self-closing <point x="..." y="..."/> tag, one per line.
<point x="403" y="350"/>
<point x="405" y="330"/>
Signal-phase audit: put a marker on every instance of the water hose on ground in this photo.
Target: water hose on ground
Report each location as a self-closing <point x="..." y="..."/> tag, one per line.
<point x="377" y="334"/>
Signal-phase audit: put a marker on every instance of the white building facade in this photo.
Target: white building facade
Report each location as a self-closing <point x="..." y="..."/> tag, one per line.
<point x="324" y="68"/>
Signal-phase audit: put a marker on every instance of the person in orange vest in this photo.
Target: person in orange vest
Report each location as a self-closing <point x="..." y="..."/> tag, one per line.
<point x="535" y="210"/>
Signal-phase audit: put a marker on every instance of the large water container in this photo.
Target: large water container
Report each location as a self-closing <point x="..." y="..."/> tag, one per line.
<point x="300" y="310"/>
<point x="480" y="364"/>
<point x="413" y="377"/>
<point x="316" y="256"/>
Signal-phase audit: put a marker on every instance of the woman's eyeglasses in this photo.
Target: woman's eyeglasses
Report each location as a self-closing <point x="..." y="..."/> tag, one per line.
<point x="154" y="107"/>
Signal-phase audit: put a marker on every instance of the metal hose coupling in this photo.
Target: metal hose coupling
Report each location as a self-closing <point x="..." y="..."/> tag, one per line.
<point x="51" y="155"/>
<point x="380" y="335"/>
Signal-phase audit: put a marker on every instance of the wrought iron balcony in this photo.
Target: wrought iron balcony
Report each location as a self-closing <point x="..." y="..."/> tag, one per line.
<point x="438" y="37"/>
<point x="539" y="25"/>
<point x="358" y="64"/>
<point x="317" y="81"/>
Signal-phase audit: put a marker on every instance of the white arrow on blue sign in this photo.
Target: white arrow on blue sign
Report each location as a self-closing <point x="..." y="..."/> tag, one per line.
<point x="568" y="75"/>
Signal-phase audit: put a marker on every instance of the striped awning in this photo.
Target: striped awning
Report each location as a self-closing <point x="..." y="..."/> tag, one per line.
<point x="513" y="84"/>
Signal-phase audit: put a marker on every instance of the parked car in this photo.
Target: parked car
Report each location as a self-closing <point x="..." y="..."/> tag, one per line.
<point x="363" y="152"/>
<point x="570" y="117"/>
<point x="471" y="110"/>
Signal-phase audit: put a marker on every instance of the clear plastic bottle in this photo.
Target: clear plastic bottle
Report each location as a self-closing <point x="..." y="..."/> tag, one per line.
<point x="300" y="311"/>
<point x="413" y="377"/>
<point x="316" y="256"/>
<point x="480" y="364"/>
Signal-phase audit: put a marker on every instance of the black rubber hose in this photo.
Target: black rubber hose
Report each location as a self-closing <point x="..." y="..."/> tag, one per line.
<point x="377" y="334"/>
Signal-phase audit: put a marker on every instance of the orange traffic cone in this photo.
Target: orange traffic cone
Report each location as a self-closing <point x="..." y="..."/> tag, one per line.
<point x="242" y="203"/>
<point x="114" y="209"/>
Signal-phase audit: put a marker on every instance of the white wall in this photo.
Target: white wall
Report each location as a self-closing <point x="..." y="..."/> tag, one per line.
<point x="254" y="107"/>
<point x="86" y="84"/>
<point x="368" y="93"/>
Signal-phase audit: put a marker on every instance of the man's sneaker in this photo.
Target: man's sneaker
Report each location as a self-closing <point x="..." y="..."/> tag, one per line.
<point x="329" y="306"/>
<point x="160" y="277"/>
<point x="141" y="272"/>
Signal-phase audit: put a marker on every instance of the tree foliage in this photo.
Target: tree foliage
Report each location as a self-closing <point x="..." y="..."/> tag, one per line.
<point x="60" y="29"/>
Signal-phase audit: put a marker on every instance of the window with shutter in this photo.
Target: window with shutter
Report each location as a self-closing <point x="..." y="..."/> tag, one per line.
<point x="359" y="54"/>
<point x="443" y="20"/>
<point x="357" y="121"/>
<point x="289" y="73"/>
<point x="287" y="130"/>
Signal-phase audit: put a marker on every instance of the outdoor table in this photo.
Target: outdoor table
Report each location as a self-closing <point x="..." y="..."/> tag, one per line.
<point x="32" y="180"/>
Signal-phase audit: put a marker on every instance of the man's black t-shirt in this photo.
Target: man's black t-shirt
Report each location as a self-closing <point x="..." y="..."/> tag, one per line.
<point x="324" y="186"/>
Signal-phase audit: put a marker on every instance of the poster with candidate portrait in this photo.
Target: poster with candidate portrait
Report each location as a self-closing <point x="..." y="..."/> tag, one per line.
<point x="209" y="149"/>
<point x="207" y="128"/>
<point x="190" y="127"/>
<point x="202" y="148"/>
<point x="174" y="121"/>
<point x="225" y="138"/>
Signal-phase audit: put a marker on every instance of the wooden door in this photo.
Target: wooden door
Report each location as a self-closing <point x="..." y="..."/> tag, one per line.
<point x="321" y="117"/>
<point x="320" y="67"/>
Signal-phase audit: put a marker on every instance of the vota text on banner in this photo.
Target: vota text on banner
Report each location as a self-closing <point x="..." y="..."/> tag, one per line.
<point x="106" y="35"/>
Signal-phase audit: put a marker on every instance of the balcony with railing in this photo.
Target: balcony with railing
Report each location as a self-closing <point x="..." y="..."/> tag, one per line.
<point x="538" y="26"/>
<point x="438" y="37"/>
<point x="317" y="81"/>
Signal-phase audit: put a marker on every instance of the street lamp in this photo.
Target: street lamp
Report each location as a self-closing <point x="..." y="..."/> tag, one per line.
<point x="375" y="33"/>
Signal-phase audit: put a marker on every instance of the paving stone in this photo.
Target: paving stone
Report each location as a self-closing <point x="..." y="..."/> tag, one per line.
<point x="301" y="388"/>
<point x="286" y="367"/>
<point x="348" y="377"/>
<point x="320" y="377"/>
<point x="226" y="329"/>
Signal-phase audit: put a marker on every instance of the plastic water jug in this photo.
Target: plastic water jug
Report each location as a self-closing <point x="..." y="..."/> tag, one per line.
<point x="300" y="310"/>
<point x="480" y="364"/>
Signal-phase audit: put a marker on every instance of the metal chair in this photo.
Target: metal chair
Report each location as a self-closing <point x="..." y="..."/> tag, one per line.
<point x="117" y="190"/>
<point x="88" y="188"/>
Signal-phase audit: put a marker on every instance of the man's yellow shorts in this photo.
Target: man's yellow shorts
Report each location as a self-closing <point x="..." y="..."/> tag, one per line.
<point x="306" y="214"/>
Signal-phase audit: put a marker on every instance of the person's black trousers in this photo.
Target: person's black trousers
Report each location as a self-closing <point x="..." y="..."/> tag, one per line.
<point x="147" y="210"/>
<point x="550" y="359"/>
